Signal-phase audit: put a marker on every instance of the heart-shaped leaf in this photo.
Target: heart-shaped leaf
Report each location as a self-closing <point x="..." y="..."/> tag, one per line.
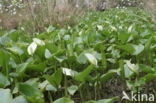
<point x="5" y="96"/>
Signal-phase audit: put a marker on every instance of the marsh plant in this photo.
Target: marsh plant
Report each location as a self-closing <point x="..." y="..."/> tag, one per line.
<point x="94" y="61"/>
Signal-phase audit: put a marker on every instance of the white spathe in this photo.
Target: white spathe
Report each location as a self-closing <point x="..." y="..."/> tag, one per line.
<point x="38" y="41"/>
<point x="91" y="58"/>
<point x="32" y="48"/>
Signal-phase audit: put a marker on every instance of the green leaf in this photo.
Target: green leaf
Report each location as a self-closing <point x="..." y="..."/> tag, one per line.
<point x="123" y="37"/>
<point x="146" y="69"/>
<point x="21" y="68"/>
<point x="111" y="100"/>
<point x="82" y="59"/>
<point x="5" y="96"/>
<point x="50" y="88"/>
<point x="55" y="79"/>
<point x="50" y="29"/>
<point x="31" y="92"/>
<point x="28" y="90"/>
<point x="127" y="72"/>
<point x="3" y="81"/>
<point x="19" y="99"/>
<point x="132" y="49"/>
<point x="72" y="89"/>
<point x="108" y="100"/>
<point x="64" y="100"/>
<point x="148" y="44"/>
<point x="128" y="48"/>
<point x="14" y="35"/>
<point x="146" y="79"/>
<point x="37" y="67"/>
<point x="16" y="50"/>
<point x="5" y="57"/>
<point x="47" y="54"/>
<point x="84" y="74"/>
<point x="138" y="49"/>
<point x="40" y="52"/>
<point x="108" y="75"/>
<point x="66" y="37"/>
<point x="32" y="81"/>
<point x="4" y="40"/>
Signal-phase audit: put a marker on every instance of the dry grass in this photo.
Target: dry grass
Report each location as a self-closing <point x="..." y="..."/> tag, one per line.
<point x="150" y="6"/>
<point x="36" y="17"/>
<point x="50" y="13"/>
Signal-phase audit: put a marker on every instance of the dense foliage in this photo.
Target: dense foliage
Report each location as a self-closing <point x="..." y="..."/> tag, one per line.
<point x="99" y="58"/>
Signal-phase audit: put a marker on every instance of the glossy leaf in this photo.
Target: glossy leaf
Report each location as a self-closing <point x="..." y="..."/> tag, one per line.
<point x="19" y="99"/>
<point x="28" y="90"/>
<point x="3" y="81"/>
<point x="64" y="100"/>
<point x="21" y="68"/>
<point x="72" y="89"/>
<point x="111" y="100"/>
<point x="47" y="54"/>
<point x="138" y="49"/>
<point x="146" y="79"/>
<point x="5" y="96"/>
<point x="84" y="74"/>
<point x="55" y="79"/>
<point x="105" y="77"/>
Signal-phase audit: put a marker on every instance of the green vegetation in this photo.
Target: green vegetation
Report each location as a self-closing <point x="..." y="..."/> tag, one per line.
<point x="96" y="60"/>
